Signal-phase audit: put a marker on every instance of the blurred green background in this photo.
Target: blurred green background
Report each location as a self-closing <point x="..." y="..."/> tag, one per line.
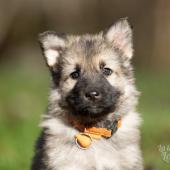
<point x="24" y="78"/>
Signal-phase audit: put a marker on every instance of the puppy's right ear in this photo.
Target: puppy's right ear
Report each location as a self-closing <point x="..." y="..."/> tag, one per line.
<point x="52" y="46"/>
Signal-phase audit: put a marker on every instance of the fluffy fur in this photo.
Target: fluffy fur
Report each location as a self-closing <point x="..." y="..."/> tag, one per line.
<point x="88" y="55"/>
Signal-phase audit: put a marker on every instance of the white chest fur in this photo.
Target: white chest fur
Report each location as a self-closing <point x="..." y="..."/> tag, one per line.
<point x="120" y="152"/>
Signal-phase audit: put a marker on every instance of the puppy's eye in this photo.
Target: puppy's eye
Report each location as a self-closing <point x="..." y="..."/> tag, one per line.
<point x="107" y="71"/>
<point x="75" y="74"/>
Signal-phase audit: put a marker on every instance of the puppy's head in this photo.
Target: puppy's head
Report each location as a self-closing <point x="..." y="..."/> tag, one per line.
<point x="91" y="73"/>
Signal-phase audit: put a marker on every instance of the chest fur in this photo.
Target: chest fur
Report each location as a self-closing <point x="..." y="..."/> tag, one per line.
<point x="120" y="152"/>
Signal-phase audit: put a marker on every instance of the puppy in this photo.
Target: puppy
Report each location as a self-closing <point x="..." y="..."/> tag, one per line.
<point x="91" y="122"/>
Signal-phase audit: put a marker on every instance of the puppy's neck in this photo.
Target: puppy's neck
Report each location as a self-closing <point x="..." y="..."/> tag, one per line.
<point x="111" y="122"/>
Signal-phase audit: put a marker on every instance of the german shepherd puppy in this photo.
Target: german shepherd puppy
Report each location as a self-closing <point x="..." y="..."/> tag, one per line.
<point x="92" y="86"/>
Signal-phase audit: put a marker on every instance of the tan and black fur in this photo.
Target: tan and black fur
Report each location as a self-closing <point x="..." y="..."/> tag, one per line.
<point x="92" y="80"/>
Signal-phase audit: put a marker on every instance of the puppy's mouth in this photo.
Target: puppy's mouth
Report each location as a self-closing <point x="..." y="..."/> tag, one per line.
<point x="94" y="111"/>
<point x="91" y="114"/>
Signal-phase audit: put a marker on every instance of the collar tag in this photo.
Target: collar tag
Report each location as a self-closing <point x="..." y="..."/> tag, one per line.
<point x="84" y="139"/>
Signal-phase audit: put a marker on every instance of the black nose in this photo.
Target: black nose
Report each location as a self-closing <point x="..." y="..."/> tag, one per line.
<point x="92" y="95"/>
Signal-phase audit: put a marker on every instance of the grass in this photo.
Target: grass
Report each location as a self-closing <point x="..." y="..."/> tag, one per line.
<point x="155" y="108"/>
<point x="24" y="98"/>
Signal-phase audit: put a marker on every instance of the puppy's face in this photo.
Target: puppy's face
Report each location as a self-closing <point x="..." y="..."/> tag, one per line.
<point x="90" y="72"/>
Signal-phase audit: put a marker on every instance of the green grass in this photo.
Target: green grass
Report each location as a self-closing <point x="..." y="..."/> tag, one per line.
<point x="23" y="98"/>
<point x="154" y="106"/>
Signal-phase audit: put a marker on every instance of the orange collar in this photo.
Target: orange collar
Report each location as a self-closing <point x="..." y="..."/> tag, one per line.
<point x="84" y="139"/>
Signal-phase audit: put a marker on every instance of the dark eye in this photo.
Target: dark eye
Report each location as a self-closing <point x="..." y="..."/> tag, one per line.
<point x="75" y="74"/>
<point x="107" y="71"/>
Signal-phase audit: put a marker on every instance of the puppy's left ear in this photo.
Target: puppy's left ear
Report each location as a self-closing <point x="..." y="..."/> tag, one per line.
<point x="52" y="46"/>
<point x="120" y="36"/>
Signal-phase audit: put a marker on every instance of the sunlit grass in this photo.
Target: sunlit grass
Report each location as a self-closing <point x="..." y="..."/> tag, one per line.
<point x="154" y="106"/>
<point x="24" y="98"/>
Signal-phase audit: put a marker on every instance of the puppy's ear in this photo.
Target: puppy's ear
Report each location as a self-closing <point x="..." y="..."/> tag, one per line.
<point x="52" y="46"/>
<point x="120" y="35"/>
